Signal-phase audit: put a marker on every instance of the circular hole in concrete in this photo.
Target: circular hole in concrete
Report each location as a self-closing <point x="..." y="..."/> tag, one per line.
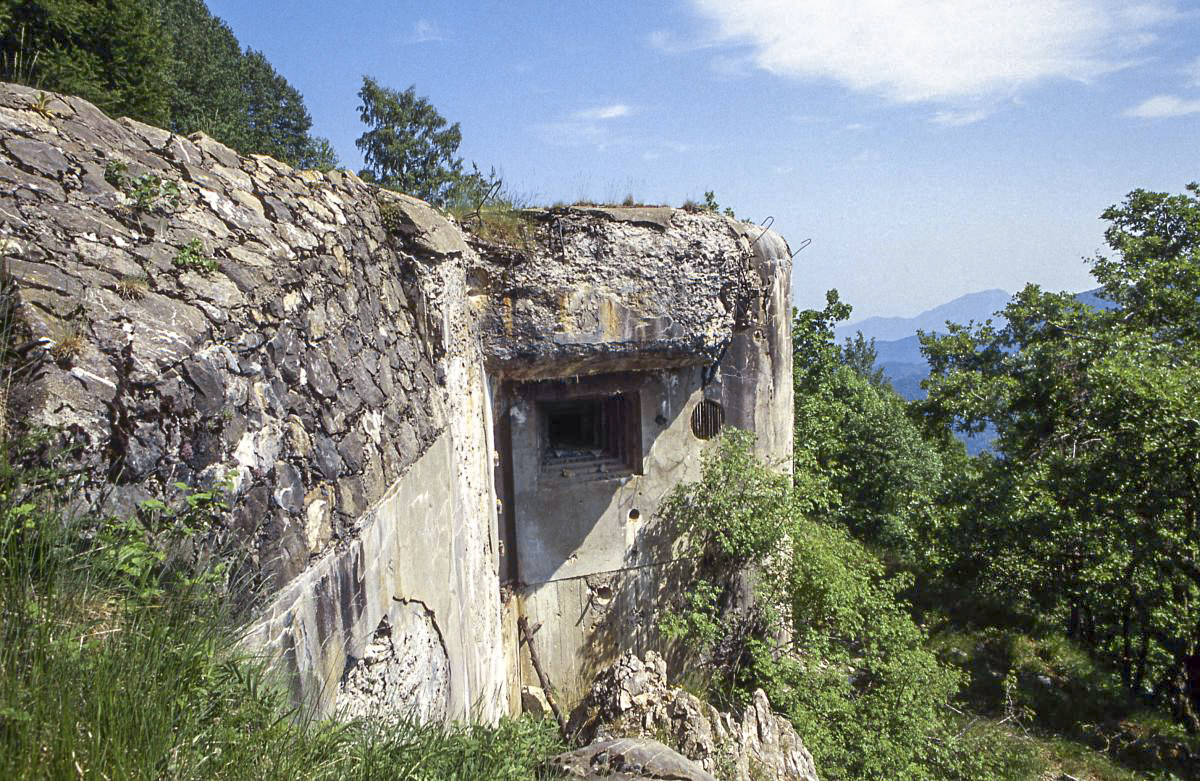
<point x="707" y="419"/>
<point x="634" y="514"/>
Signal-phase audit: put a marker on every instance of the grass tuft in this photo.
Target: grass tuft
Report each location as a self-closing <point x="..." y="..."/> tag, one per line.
<point x="67" y="344"/>
<point x="133" y="287"/>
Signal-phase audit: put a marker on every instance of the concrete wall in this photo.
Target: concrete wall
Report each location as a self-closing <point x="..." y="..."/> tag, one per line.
<point x="567" y="527"/>
<point x="328" y="359"/>
<point x="430" y="541"/>
<point x="754" y="383"/>
<point x="420" y="544"/>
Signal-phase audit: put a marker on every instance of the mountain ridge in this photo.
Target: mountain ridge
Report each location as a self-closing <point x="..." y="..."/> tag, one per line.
<point x="972" y="306"/>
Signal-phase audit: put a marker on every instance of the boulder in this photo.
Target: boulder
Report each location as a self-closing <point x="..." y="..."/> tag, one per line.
<point x="628" y="759"/>
<point x="631" y="699"/>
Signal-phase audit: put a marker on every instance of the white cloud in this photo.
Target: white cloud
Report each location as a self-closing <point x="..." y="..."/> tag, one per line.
<point x="586" y="127"/>
<point x="604" y="112"/>
<point x="937" y="50"/>
<point x="424" y="31"/>
<point x="1161" y="106"/>
<point x="958" y="118"/>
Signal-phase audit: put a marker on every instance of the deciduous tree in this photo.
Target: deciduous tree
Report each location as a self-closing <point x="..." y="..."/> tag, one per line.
<point x="410" y="147"/>
<point x="1091" y="511"/>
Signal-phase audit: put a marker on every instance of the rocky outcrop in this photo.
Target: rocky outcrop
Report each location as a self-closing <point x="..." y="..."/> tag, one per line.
<point x="631" y="699"/>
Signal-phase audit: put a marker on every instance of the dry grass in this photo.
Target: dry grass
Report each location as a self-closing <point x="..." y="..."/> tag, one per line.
<point x="66" y="344"/>
<point x="133" y="287"/>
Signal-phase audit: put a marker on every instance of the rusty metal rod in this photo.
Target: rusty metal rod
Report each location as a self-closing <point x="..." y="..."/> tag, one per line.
<point x="527" y="637"/>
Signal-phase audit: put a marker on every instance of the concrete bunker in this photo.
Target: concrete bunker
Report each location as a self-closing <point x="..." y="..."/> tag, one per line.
<point x="608" y="383"/>
<point x="404" y="399"/>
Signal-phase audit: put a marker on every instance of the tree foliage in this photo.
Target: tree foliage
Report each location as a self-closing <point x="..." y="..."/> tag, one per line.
<point x="112" y="53"/>
<point x="408" y="146"/>
<point x="884" y="475"/>
<point x="169" y="63"/>
<point x="826" y="635"/>
<point x="1091" y="509"/>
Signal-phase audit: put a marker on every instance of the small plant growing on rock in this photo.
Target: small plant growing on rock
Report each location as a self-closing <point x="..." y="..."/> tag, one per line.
<point x="116" y="173"/>
<point x="133" y="287"/>
<point x="192" y="257"/>
<point x="147" y="192"/>
<point x="66" y="345"/>
<point x="392" y="216"/>
<point x="41" y="105"/>
<point x="710" y="205"/>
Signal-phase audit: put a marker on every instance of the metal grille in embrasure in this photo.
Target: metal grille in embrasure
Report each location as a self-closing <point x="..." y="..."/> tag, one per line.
<point x="707" y="418"/>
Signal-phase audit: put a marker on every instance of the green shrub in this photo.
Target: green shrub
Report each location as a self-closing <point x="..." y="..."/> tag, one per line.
<point x="192" y="257"/>
<point x="146" y="192"/>
<point x="829" y="640"/>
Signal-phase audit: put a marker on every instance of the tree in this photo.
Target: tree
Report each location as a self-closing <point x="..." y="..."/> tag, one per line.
<point x="854" y="434"/>
<point x="112" y="54"/>
<point x="1091" y="512"/>
<point x="169" y="63"/>
<point x="235" y="96"/>
<point x="850" y="669"/>
<point x="319" y="154"/>
<point x="206" y="94"/>
<point x="412" y="148"/>
<point x="276" y="122"/>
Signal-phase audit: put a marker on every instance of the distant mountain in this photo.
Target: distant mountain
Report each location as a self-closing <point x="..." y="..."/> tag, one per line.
<point x="898" y="350"/>
<point x="1092" y="298"/>
<point x="900" y="357"/>
<point x="973" y="306"/>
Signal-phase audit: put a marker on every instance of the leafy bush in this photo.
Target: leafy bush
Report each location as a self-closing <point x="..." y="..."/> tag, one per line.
<point x="146" y="192"/>
<point x="192" y="257"/>
<point x="1049" y="684"/>
<point x="827" y="637"/>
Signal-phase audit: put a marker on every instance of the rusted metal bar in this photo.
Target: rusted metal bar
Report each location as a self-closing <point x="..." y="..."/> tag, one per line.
<point x="527" y="637"/>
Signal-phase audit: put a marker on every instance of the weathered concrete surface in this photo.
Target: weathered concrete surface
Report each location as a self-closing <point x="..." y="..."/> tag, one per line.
<point x="591" y="554"/>
<point x="616" y="289"/>
<point x="403" y="672"/>
<point x="568" y="526"/>
<point x="590" y="621"/>
<point x="431" y="539"/>
<point x="631" y="699"/>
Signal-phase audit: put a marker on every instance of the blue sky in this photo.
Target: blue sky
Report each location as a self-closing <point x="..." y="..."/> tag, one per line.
<point x="929" y="148"/>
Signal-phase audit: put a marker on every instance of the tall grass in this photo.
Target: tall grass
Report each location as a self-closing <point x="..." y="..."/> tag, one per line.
<point x="118" y="660"/>
<point x="111" y="672"/>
